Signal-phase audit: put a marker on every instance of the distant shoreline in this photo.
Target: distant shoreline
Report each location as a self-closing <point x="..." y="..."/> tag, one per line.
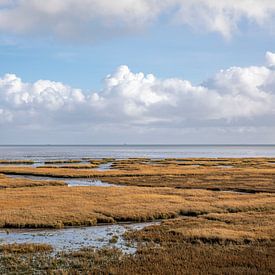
<point x="137" y="145"/>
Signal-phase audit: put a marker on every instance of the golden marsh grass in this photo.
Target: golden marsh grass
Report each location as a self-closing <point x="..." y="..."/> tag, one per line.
<point x="204" y="231"/>
<point x="63" y="206"/>
<point x="6" y="182"/>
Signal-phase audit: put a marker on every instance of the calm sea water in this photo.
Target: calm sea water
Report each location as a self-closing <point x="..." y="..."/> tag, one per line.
<point x="41" y="153"/>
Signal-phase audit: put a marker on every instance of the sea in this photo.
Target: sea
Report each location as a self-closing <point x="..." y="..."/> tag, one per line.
<point x="42" y="153"/>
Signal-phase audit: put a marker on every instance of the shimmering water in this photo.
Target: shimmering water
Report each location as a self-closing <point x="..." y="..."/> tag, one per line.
<point x="42" y="153"/>
<point x="70" y="239"/>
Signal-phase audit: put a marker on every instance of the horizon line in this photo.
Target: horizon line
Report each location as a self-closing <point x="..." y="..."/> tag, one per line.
<point x="149" y="144"/>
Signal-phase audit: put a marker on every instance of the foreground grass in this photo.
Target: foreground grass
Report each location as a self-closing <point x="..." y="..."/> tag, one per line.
<point x="163" y="249"/>
<point x="176" y="258"/>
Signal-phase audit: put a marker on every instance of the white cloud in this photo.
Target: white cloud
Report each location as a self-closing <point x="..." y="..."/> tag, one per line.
<point x="270" y="59"/>
<point x="86" y="20"/>
<point x="90" y="20"/>
<point x="236" y="96"/>
<point x="44" y="94"/>
<point x="225" y="16"/>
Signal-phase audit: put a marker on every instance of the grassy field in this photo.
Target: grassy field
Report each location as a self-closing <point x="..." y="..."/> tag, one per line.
<point x="205" y="228"/>
<point x="60" y="206"/>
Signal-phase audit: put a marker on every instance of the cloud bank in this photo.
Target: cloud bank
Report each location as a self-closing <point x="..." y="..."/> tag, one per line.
<point x="91" y="20"/>
<point x="236" y="97"/>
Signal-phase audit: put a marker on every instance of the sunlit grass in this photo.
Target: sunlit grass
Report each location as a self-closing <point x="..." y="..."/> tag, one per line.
<point x="204" y="231"/>
<point x="60" y="206"/>
<point x="6" y="182"/>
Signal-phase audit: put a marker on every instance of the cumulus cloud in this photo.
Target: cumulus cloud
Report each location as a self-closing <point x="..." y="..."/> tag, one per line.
<point x="236" y="96"/>
<point x="90" y="20"/>
<point x="44" y="94"/>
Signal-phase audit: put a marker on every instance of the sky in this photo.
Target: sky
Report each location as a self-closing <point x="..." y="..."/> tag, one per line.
<point x="137" y="72"/>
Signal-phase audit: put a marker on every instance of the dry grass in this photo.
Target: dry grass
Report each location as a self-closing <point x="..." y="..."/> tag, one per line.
<point x="243" y="175"/>
<point x="220" y="243"/>
<point x="198" y="162"/>
<point x="215" y="231"/>
<point x="177" y="257"/>
<point x="59" y="206"/>
<point x="255" y="162"/>
<point x="214" y="228"/>
<point x="25" y="248"/>
<point x="208" y="232"/>
<point x="185" y="258"/>
<point x="240" y="181"/>
<point x="6" y="182"/>
<point x="249" y="175"/>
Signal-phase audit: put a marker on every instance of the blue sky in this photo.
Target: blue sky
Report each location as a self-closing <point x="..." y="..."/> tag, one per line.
<point x="166" y="51"/>
<point x="61" y="79"/>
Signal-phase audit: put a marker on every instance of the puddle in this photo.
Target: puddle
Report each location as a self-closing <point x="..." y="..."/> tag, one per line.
<point x="225" y="166"/>
<point x="37" y="164"/>
<point x="104" y="166"/>
<point x="71" y="239"/>
<point x="74" y="183"/>
<point x="69" y="182"/>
